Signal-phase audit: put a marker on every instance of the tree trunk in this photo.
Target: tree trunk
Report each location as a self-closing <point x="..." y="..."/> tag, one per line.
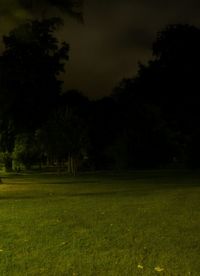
<point x="72" y="166"/>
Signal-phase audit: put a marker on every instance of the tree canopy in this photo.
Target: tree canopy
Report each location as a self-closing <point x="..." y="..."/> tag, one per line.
<point x="29" y="67"/>
<point x="150" y="120"/>
<point x="169" y="82"/>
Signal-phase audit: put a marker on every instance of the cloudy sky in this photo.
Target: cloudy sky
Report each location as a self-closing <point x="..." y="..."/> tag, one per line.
<point x="116" y="34"/>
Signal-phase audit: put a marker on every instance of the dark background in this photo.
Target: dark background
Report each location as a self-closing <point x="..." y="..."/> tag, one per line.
<point x="115" y="35"/>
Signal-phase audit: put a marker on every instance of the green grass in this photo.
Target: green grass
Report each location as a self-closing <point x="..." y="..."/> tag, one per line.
<point x="103" y="224"/>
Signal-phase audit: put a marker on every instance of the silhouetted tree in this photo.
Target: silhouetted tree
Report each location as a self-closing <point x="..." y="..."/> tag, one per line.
<point x="173" y="74"/>
<point x="65" y="136"/>
<point x="29" y="67"/>
<point x="7" y="140"/>
<point x="144" y="139"/>
<point x="26" y="151"/>
<point x="103" y="124"/>
<point x="177" y="55"/>
<point x="170" y="84"/>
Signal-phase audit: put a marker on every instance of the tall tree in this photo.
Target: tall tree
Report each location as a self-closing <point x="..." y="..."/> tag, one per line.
<point x="29" y="69"/>
<point x="173" y="73"/>
<point x="170" y="82"/>
<point x="65" y="136"/>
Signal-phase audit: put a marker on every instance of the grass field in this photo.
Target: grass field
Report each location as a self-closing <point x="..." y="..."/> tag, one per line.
<point x="142" y="223"/>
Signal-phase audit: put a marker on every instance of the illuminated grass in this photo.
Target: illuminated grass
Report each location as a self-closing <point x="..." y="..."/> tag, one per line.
<point x="135" y="224"/>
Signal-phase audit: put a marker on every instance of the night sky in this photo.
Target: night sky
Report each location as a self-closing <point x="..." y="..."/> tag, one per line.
<point x="116" y="34"/>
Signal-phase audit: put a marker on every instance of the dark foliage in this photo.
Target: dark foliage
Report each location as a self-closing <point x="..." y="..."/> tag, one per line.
<point x="29" y="67"/>
<point x="150" y="121"/>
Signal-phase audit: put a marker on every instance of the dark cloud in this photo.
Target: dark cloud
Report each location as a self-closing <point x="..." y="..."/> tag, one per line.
<point x="135" y="38"/>
<point x="13" y="12"/>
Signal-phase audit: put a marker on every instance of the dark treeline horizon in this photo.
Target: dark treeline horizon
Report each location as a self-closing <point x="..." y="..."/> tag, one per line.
<point x="149" y="121"/>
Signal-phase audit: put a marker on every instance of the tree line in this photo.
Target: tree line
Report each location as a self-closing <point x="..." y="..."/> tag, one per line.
<point x="149" y="121"/>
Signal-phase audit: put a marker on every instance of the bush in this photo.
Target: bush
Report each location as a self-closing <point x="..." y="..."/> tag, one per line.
<point x="26" y="152"/>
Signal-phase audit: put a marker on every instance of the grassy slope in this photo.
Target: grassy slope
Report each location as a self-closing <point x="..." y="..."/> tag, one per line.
<point x="100" y="225"/>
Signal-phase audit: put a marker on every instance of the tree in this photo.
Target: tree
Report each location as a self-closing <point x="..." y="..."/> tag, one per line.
<point x="178" y="45"/>
<point x="7" y="140"/>
<point x="103" y="123"/>
<point x="65" y="136"/>
<point x="144" y="139"/>
<point x="26" y="151"/>
<point x="29" y="69"/>
<point x="173" y="76"/>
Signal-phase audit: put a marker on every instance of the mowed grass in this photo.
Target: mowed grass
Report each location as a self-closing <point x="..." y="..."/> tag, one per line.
<point x="140" y="223"/>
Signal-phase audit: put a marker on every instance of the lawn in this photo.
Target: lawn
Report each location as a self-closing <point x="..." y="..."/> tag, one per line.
<point x="139" y="223"/>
